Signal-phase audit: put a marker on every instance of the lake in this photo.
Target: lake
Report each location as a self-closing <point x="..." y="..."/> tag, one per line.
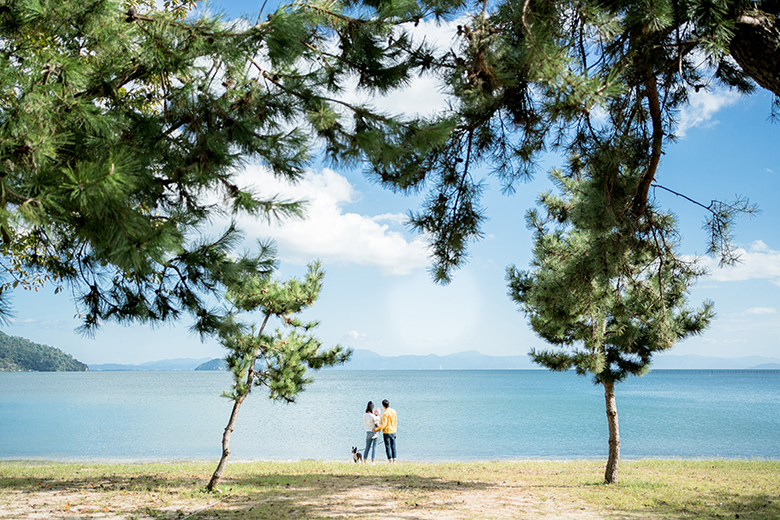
<point x="442" y="415"/>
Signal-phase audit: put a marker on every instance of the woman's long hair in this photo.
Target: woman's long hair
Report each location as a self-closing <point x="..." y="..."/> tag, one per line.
<point x="370" y="407"/>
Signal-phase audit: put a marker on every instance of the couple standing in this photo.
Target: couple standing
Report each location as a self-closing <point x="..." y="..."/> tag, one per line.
<point x="387" y="424"/>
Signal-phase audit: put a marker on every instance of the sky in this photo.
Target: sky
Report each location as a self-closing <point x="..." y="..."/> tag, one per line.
<point x="378" y="294"/>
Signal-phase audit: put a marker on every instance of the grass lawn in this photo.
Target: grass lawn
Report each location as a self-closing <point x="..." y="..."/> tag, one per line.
<point x="320" y="489"/>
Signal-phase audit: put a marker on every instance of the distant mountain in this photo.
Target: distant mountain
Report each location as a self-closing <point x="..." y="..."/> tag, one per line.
<point x="368" y="360"/>
<point x="22" y="355"/>
<point x="214" y="364"/>
<point x="767" y="366"/>
<point x="165" y="364"/>
<point x="473" y="360"/>
<point x="694" y="362"/>
<point x="469" y="360"/>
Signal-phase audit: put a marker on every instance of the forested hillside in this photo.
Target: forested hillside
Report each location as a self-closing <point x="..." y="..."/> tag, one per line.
<point x="18" y="354"/>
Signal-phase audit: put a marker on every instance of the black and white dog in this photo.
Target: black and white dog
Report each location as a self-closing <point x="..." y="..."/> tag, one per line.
<point x="356" y="455"/>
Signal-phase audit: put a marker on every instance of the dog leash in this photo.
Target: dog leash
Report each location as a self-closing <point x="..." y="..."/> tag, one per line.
<point x="364" y="450"/>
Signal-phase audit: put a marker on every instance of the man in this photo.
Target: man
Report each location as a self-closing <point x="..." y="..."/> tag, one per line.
<point x="388" y="428"/>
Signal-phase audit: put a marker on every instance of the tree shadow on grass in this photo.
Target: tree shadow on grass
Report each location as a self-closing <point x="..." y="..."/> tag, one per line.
<point x="75" y="496"/>
<point x="266" y="496"/>
<point x="661" y="499"/>
<point x="140" y="483"/>
<point x="715" y="504"/>
<point x="325" y="495"/>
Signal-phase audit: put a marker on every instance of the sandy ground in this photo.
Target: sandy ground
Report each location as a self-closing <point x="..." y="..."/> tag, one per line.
<point x="366" y="498"/>
<point x="267" y="490"/>
<point x="495" y="502"/>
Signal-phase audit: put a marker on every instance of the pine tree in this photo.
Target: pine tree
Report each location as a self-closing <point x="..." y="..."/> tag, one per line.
<point x="277" y="361"/>
<point x="601" y="83"/>
<point x="122" y="132"/>
<point x="607" y="292"/>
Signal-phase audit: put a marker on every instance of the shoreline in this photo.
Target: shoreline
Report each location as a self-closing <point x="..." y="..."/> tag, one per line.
<point x="556" y="460"/>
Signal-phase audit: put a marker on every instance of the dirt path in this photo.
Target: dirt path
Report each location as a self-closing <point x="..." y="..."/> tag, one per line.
<point x="651" y="489"/>
<point x="510" y="502"/>
<point x="373" y="498"/>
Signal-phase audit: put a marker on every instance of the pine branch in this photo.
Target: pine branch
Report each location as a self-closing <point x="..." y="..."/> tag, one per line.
<point x="654" y="106"/>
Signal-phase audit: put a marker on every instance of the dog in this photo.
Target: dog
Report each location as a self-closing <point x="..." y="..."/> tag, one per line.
<point x="356" y="455"/>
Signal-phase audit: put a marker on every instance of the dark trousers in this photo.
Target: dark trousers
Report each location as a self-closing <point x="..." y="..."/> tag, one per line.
<point x="389" y="439"/>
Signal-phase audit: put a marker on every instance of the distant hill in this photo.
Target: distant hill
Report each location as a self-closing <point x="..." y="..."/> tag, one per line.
<point x="767" y="366"/>
<point x="473" y="360"/>
<point x="164" y="364"/>
<point x="469" y="360"/>
<point x="214" y="364"/>
<point x="368" y="360"/>
<point x="693" y="362"/>
<point x="22" y="355"/>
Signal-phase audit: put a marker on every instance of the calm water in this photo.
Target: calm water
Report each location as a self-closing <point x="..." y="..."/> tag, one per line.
<point x="444" y="415"/>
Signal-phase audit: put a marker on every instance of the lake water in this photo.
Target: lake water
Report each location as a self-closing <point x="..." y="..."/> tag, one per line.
<point x="442" y="415"/>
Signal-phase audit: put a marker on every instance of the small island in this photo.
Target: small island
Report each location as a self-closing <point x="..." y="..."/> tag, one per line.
<point x="214" y="364"/>
<point x="22" y="355"/>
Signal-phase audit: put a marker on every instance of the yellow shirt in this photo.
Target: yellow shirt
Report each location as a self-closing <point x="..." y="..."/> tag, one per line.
<point x="389" y="421"/>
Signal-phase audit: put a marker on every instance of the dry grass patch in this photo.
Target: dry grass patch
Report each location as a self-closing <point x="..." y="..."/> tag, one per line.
<point x="414" y="491"/>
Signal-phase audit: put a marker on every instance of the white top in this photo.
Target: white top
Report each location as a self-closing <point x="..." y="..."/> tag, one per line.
<point x="370" y="421"/>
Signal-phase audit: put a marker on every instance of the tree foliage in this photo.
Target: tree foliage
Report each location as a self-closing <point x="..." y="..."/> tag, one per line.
<point x="606" y="291"/>
<point x="612" y="289"/>
<point x="122" y="133"/>
<point x="278" y="361"/>
<point x="554" y="75"/>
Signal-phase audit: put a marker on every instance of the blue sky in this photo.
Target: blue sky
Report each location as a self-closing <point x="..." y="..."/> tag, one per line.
<point x="378" y="294"/>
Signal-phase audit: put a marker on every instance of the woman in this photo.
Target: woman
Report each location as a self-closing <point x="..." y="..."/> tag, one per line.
<point x="370" y="421"/>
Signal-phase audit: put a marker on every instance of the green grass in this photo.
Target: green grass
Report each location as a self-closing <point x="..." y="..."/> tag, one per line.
<point x="320" y="489"/>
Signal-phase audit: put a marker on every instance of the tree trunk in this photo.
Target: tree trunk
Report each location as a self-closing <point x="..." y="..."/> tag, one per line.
<point x="250" y="378"/>
<point x="610" y="476"/>
<point x="225" y="445"/>
<point x="756" y="46"/>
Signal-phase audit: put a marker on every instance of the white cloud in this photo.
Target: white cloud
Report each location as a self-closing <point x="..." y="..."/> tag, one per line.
<point x="761" y="310"/>
<point x="355" y="335"/>
<point x="703" y="107"/>
<point x="423" y="95"/>
<point x="757" y="262"/>
<point x="421" y="98"/>
<point x="330" y="233"/>
<point x="39" y="324"/>
<point x="393" y="218"/>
